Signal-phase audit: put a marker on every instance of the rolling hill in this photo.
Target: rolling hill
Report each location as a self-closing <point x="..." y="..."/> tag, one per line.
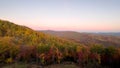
<point x="20" y="44"/>
<point x="26" y="36"/>
<point x="87" y="38"/>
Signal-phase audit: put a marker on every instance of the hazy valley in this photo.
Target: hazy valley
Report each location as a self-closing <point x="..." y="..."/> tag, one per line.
<point x="86" y="38"/>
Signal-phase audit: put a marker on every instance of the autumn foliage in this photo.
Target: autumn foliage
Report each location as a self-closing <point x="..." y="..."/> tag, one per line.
<point x="21" y="44"/>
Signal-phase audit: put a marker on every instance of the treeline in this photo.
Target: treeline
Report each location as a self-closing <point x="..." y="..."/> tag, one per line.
<point x="93" y="57"/>
<point x="22" y="44"/>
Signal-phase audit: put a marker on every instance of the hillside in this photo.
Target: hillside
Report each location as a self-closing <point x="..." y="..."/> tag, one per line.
<point x="22" y="47"/>
<point x="26" y="36"/>
<point x="21" y="42"/>
<point x="87" y="38"/>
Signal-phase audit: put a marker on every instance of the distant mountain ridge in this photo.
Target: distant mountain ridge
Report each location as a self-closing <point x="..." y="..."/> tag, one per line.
<point x="87" y="38"/>
<point x="25" y="36"/>
<point x="109" y="33"/>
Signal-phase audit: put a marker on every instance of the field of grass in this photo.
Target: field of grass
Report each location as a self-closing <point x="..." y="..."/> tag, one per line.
<point x="24" y="65"/>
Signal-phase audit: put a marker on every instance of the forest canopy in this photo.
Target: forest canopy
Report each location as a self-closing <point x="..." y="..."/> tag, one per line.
<point x="22" y="44"/>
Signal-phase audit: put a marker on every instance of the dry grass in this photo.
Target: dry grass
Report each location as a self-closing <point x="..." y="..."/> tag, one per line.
<point x="24" y="65"/>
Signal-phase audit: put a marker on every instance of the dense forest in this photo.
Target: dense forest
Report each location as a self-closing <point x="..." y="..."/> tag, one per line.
<point x="22" y="44"/>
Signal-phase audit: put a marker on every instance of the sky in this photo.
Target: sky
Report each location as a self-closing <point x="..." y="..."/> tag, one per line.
<point x="63" y="15"/>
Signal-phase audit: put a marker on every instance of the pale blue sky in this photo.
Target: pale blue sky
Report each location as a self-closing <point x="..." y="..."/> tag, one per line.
<point x="75" y="15"/>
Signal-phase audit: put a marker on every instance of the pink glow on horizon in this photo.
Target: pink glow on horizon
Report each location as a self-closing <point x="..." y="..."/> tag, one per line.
<point x="72" y="28"/>
<point x="75" y="15"/>
<point x="64" y="25"/>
